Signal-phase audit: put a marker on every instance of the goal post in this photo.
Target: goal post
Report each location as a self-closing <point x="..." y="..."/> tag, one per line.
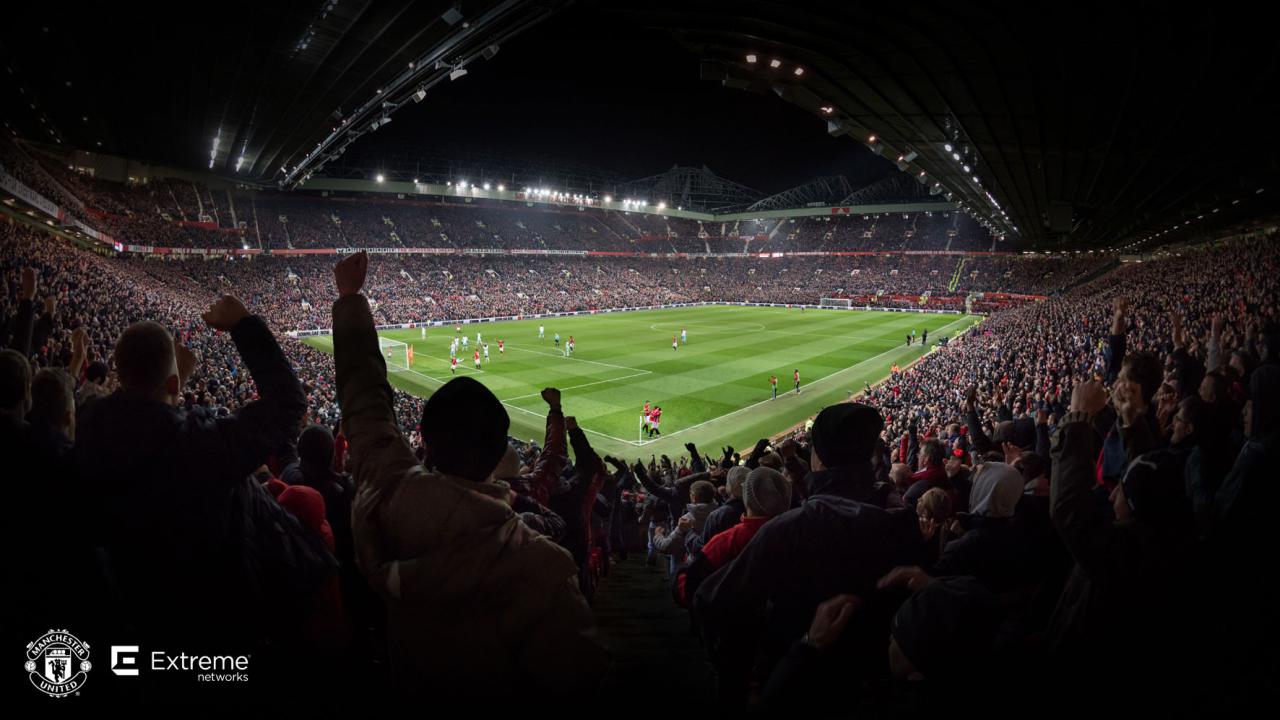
<point x="395" y="353"/>
<point x="845" y="303"/>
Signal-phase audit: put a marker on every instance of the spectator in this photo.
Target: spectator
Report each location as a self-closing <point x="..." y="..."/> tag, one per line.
<point x="806" y="555"/>
<point x="164" y="480"/>
<point x="437" y="535"/>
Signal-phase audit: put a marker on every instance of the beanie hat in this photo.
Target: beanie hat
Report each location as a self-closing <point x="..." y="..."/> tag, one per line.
<point x="464" y="428"/>
<point x="766" y="493"/>
<point x="845" y="434"/>
<point x="307" y="505"/>
<point x="734" y="479"/>
<point x="997" y="487"/>
<point x="96" y="372"/>
<point x="315" y="445"/>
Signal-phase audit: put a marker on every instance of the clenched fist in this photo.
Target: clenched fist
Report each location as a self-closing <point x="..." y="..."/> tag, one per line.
<point x="226" y="313"/>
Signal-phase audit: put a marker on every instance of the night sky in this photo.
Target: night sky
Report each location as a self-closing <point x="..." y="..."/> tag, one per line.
<point x="623" y="100"/>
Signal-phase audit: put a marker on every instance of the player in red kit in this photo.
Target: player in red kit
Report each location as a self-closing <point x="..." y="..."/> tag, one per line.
<point x="654" y="419"/>
<point x="453" y="364"/>
<point x="796" y="377"/>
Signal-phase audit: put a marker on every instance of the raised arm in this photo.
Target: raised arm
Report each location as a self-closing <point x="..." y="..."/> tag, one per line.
<point x="265" y="424"/>
<point x="1085" y="528"/>
<point x="1117" y="339"/>
<point x="552" y="459"/>
<point x="25" y="317"/>
<point x="378" y="451"/>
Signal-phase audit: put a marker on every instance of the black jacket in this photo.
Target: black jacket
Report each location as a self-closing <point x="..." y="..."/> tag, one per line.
<point x="835" y="542"/>
<point x="162" y="481"/>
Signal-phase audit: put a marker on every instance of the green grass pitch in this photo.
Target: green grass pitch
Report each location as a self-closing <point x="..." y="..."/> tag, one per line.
<point x="713" y="391"/>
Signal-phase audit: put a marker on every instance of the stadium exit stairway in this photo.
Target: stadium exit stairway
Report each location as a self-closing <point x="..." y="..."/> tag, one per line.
<point x="655" y="657"/>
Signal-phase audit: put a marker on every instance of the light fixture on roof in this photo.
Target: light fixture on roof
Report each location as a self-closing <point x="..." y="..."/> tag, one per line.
<point x="501" y="187"/>
<point x="827" y="109"/>
<point x="751" y="58"/>
<point x="419" y="94"/>
<point x="457" y="73"/>
<point x="380" y="177"/>
<point x="967" y="169"/>
<point x="486" y="186"/>
<point x="775" y="63"/>
<point x="947" y="147"/>
<point x="955" y="156"/>
<point x="799" y="71"/>
<point x="608" y="198"/>
<point x="662" y="206"/>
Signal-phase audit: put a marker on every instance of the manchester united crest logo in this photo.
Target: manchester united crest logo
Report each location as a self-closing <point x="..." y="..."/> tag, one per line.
<point x="58" y="663"/>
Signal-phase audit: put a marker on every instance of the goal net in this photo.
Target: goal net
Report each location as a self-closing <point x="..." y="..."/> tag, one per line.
<point x="836" y="302"/>
<point x="395" y="353"/>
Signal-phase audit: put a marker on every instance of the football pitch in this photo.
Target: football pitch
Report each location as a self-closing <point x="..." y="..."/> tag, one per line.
<point x="714" y="390"/>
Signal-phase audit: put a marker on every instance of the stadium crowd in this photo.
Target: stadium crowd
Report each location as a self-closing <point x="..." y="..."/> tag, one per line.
<point x="1069" y="502"/>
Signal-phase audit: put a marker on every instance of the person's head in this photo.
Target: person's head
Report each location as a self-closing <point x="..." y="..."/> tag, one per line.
<point x="1187" y="374"/>
<point x="900" y="475"/>
<point x="931" y="452"/>
<point x="1031" y="465"/>
<point x="1190" y="415"/>
<point x="766" y="493"/>
<point x="932" y="510"/>
<point x="464" y="429"/>
<point x="845" y="434"/>
<point x="315" y="446"/>
<point x="1003" y="433"/>
<point x="1215" y="387"/>
<point x="15" y="383"/>
<point x="734" y="478"/>
<point x="997" y="487"/>
<point x="53" y="400"/>
<point x="146" y="362"/>
<point x="771" y="460"/>
<point x="96" y="373"/>
<point x="1144" y="369"/>
<point x="954" y="463"/>
<point x="1242" y="362"/>
<point x="702" y="492"/>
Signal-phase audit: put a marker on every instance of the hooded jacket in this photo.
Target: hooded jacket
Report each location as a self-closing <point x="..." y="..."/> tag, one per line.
<point x="992" y="548"/>
<point x="475" y="599"/>
<point x="673" y="543"/>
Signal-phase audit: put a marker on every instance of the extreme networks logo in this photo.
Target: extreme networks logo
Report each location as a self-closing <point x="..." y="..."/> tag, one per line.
<point x="58" y="663"/>
<point x="208" y="668"/>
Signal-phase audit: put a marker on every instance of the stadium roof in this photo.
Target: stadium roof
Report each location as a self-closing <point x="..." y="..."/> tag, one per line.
<point x="243" y="88"/>
<point x="1101" y="123"/>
